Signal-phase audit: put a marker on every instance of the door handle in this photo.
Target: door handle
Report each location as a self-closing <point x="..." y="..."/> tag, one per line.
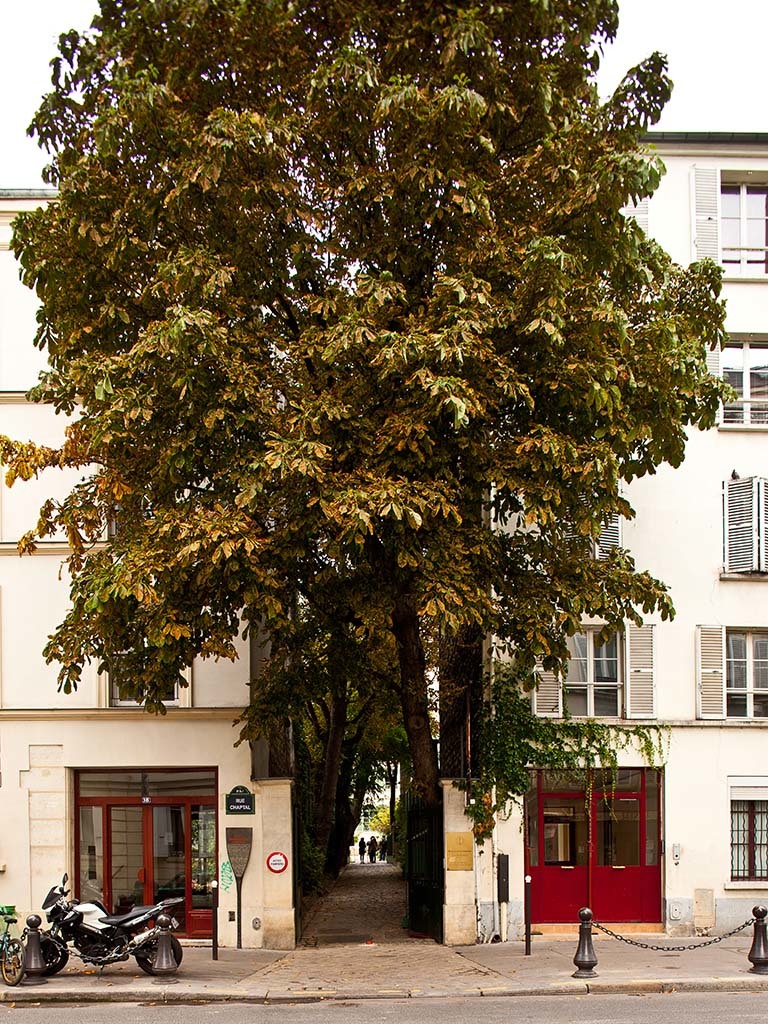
<point x="618" y="867"/>
<point x="566" y="867"/>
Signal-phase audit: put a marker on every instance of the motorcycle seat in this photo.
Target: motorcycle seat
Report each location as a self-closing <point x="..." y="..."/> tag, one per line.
<point x="118" y="919"/>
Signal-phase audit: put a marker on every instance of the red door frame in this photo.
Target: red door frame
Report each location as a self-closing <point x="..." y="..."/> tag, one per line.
<point x="558" y="892"/>
<point x="198" y="923"/>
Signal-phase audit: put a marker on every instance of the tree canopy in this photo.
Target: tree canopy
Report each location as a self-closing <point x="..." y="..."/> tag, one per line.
<point x="341" y="297"/>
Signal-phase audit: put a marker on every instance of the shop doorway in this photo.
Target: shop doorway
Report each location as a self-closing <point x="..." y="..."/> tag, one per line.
<point x="144" y="836"/>
<point x="594" y="845"/>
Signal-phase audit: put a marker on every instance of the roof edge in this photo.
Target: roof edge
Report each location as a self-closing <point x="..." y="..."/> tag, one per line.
<point x="714" y="138"/>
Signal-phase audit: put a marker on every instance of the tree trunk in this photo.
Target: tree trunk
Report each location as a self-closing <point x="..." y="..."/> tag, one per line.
<point x="337" y="725"/>
<point x="349" y="807"/>
<point x="413" y="698"/>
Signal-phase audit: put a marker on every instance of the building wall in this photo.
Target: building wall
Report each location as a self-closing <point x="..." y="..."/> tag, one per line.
<point x="46" y="736"/>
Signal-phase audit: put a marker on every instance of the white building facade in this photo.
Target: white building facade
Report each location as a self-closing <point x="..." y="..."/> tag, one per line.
<point x="133" y="807"/>
<point x="682" y="847"/>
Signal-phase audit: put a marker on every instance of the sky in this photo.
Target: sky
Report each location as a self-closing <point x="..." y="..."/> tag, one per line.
<point x="716" y="55"/>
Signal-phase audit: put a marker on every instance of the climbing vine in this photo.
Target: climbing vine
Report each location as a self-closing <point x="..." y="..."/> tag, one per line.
<point x="513" y="740"/>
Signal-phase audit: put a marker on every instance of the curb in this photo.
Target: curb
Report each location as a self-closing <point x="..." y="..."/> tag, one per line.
<point x="166" y="995"/>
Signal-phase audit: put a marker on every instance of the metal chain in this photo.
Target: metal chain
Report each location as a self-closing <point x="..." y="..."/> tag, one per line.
<point x="673" y="949"/>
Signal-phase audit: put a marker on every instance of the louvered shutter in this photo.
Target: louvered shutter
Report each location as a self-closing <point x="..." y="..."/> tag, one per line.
<point x="713" y="361"/>
<point x="641" y="690"/>
<point x="710" y="671"/>
<point x="762" y="527"/>
<point x="639" y="211"/>
<point x="706" y="213"/>
<point x="548" y="696"/>
<point x="610" y="536"/>
<point x="741" y="507"/>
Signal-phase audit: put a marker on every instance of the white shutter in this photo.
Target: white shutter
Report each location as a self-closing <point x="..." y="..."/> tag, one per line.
<point x="548" y="696"/>
<point x="740" y="508"/>
<point x="713" y="361"/>
<point x="641" y="690"/>
<point x="706" y="213"/>
<point x="610" y="536"/>
<point x="710" y="671"/>
<point x="762" y="525"/>
<point x="638" y="211"/>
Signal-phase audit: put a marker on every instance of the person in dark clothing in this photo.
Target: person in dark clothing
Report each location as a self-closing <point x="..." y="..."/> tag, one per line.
<point x="361" y="849"/>
<point x="383" y="849"/>
<point x="373" y="846"/>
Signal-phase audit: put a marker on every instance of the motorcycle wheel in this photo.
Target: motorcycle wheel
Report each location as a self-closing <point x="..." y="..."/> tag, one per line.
<point x="55" y="954"/>
<point x="145" y="957"/>
<point x="12" y="962"/>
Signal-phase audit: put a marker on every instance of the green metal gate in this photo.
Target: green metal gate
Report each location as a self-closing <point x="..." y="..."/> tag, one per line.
<point x="424" y="867"/>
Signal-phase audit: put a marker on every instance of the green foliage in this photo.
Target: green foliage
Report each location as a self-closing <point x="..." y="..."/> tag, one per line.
<point x="341" y="297"/>
<point x="513" y="740"/>
<point x="379" y="820"/>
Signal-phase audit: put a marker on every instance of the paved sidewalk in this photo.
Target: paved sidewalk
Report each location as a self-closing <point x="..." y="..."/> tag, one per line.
<point x="354" y="948"/>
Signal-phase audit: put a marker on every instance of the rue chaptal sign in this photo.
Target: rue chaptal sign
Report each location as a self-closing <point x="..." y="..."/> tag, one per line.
<point x="240" y="801"/>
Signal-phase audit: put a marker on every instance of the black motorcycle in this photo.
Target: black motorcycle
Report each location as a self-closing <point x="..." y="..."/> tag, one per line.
<point x="101" y="938"/>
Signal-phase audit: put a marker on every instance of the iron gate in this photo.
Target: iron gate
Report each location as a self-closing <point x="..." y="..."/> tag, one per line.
<point x="424" y="866"/>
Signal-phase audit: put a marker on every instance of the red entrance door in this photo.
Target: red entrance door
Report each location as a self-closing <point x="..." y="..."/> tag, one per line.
<point x="147" y="836"/>
<point x="598" y="849"/>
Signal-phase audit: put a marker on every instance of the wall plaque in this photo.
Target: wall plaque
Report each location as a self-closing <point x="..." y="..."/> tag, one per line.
<point x="458" y="851"/>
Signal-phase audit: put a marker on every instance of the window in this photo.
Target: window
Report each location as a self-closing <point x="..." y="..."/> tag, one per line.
<point x="121" y="693"/>
<point x="745" y="368"/>
<point x="745" y="525"/>
<point x="744" y="228"/>
<point x="749" y="840"/>
<point x="592" y="685"/>
<point x="746" y="674"/>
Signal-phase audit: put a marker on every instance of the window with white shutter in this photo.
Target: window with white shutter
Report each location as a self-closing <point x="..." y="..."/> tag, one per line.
<point x="547" y="697"/>
<point x="641" y="690"/>
<point x="639" y="212"/>
<point x="745" y="520"/>
<point x="710" y="671"/>
<point x="706" y="213"/>
<point x="610" y="536"/>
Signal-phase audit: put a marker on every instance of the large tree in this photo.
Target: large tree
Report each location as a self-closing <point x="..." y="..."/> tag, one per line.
<point x="347" y="288"/>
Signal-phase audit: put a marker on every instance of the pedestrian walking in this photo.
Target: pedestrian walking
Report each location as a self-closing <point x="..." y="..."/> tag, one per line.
<point x="383" y="849"/>
<point x="373" y="846"/>
<point x="361" y="849"/>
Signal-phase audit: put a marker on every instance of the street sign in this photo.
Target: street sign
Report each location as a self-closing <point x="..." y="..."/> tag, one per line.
<point x="239" y="800"/>
<point x="277" y="862"/>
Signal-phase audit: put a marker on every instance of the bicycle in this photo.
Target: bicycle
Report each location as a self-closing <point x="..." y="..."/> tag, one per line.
<point x="11" y="955"/>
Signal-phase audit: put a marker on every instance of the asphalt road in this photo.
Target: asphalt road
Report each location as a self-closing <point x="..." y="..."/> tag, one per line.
<point x="686" y="1007"/>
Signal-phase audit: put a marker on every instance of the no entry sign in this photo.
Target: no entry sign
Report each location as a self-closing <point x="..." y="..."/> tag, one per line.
<point x="277" y="862"/>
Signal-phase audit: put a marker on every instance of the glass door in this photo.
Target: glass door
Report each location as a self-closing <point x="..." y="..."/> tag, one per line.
<point x="169" y="861"/>
<point x="127" y="868"/>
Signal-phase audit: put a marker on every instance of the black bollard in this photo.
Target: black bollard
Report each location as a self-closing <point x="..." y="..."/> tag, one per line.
<point x="34" y="961"/>
<point x="164" y="962"/>
<point x="758" y="954"/>
<point x="585" y="958"/>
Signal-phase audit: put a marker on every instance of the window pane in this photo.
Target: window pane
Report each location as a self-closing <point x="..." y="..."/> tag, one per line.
<point x="532" y="825"/>
<point x="575" y="699"/>
<point x="577" y="666"/>
<point x="651" y="817"/>
<point x="739" y="839"/>
<point x="203" y="855"/>
<point x="760" y="709"/>
<point x="760" y="838"/>
<point x="618" y="832"/>
<point x="760" y="662"/>
<point x="736" y="705"/>
<point x="168" y="858"/>
<point x="565" y="832"/>
<point x="729" y="200"/>
<point x="607" y="701"/>
<point x="91" y="854"/>
<point x="736" y="660"/>
<point x="757" y="200"/>
<point x="607" y="661"/>
<point x="559" y="782"/>
<point x="730" y="235"/>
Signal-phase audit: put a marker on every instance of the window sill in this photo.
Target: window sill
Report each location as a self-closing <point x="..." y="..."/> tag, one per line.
<point x="744" y="577"/>
<point x="749" y="428"/>
<point x="744" y="278"/>
<point x="746" y="885"/>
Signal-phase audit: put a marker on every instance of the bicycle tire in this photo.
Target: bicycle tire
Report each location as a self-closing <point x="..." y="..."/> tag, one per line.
<point x="12" y="962"/>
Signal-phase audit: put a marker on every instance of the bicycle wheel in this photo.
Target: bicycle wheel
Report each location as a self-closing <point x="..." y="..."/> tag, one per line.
<point x="12" y="962"/>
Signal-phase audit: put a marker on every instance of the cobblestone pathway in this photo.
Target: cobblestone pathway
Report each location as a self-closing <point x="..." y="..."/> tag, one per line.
<point x="354" y="941"/>
<point x="367" y="903"/>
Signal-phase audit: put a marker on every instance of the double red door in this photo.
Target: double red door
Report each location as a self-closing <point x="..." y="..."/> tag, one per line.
<point x="594" y="842"/>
